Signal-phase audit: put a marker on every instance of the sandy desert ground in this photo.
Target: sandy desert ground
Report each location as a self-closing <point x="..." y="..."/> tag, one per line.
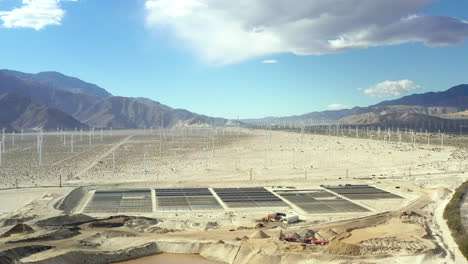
<point x="402" y="231"/>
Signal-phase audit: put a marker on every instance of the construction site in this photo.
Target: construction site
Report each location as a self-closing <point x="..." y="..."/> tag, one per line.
<point x="229" y="195"/>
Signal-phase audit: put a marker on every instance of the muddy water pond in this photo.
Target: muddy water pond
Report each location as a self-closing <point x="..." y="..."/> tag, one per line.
<point x="167" y="258"/>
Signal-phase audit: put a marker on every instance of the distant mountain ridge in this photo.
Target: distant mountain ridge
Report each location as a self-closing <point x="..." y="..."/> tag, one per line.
<point x="456" y="96"/>
<point x="66" y="101"/>
<point x="126" y="112"/>
<point x="51" y="99"/>
<point x="58" y="80"/>
<point x="21" y="112"/>
<point x="435" y="104"/>
<point x="90" y="110"/>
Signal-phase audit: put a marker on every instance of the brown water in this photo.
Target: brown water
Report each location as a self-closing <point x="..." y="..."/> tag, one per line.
<point x="167" y="258"/>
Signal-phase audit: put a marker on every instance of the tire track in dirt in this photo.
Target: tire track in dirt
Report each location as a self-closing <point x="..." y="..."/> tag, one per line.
<point x="103" y="156"/>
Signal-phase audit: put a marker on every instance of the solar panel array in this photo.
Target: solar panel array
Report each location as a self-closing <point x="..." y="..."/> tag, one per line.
<point x="314" y="193"/>
<point x="134" y="201"/>
<point x="320" y="202"/>
<point x="362" y="192"/>
<point x="186" y="200"/>
<point x="248" y="197"/>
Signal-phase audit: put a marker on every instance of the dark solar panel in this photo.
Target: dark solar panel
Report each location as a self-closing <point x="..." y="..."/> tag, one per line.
<point x="185" y="199"/>
<point x="248" y="197"/>
<point x="320" y="202"/>
<point x="362" y="192"/>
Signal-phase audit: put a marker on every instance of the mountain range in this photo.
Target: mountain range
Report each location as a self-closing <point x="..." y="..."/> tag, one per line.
<point x="436" y="106"/>
<point x="51" y="100"/>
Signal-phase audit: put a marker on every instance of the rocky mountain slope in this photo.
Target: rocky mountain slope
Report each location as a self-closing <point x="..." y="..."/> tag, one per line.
<point x="68" y="102"/>
<point x="435" y="105"/>
<point x="113" y="111"/>
<point x="21" y="112"/>
<point x="455" y="97"/>
<point x="57" y="80"/>
<point x="125" y="112"/>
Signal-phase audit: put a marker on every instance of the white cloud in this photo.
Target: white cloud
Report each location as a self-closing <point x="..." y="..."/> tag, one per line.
<point x="337" y="106"/>
<point x="35" y="14"/>
<point x="392" y="88"/>
<point x="221" y="31"/>
<point x="269" y="61"/>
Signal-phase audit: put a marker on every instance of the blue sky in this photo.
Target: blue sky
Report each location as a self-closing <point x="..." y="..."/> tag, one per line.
<point x="134" y="49"/>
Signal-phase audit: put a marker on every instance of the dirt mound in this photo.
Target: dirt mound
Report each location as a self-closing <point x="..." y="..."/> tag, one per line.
<point x="114" y="221"/>
<point x="259" y="234"/>
<point x="327" y="234"/>
<point x="64" y="220"/>
<point x="141" y="223"/>
<point x="16" y="220"/>
<point x="304" y="234"/>
<point x="55" y="235"/>
<point x="294" y="235"/>
<point x="342" y="236"/>
<point x="11" y="256"/>
<point x="18" y="229"/>
<point x="341" y="248"/>
<point x="99" y="238"/>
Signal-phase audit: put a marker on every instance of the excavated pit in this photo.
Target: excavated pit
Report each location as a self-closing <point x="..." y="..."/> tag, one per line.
<point x="12" y="256"/>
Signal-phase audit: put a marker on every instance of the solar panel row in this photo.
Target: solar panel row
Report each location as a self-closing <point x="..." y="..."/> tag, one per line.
<point x="134" y="201"/>
<point x="248" y="197"/>
<point x="362" y="192"/>
<point x="309" y="204"/>
<point x="186" y="199"/>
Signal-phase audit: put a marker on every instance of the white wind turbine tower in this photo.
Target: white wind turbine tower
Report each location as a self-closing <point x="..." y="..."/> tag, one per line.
<point x="161" y="135"/>
<point x="3" y="140"/>
<point x="144" y="160"/>
<point x="90" y="140"/>
<point x="71" y="143"/>
<point x="39" y="148"/>
<point x="1" y="161"/>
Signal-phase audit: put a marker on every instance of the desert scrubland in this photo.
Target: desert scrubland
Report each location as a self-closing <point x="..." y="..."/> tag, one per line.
<point x="410" y="229"/>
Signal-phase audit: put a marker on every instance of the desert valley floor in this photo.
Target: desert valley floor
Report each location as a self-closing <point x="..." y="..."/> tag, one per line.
<point x="109" y="196"/>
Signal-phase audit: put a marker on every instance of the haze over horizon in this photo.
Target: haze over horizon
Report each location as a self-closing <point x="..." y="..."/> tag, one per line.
<point x="264" y="67"/>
